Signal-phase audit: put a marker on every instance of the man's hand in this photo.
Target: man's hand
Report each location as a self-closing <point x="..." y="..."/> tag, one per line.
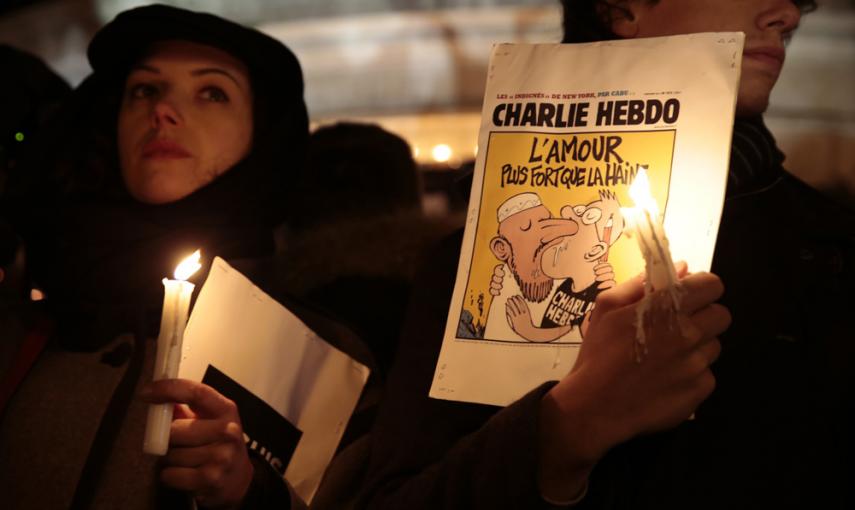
<point x="605" y="275"/>
<point x="519" y="319"/>
<point x="496" y="280"/>
<point x="207" y="455"/>
<point x="609" y="398"/>
<point x="518" y="316"/>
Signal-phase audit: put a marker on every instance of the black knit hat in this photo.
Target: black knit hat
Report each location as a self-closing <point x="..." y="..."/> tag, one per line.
<point x="124" y="40"/>
<point x="279" y="112"/>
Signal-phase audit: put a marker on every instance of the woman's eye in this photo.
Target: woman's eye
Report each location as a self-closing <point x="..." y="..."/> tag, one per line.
<point x="142" y="91"/>
<point x="214" y="94"/>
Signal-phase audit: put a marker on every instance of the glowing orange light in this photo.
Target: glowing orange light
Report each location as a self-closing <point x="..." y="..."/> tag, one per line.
<point x="188" y="266"/>
<point x="640" y="194"/>
<point x="441" y="153"/>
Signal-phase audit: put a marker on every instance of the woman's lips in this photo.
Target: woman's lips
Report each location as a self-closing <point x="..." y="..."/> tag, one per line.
<point x="161" y="148"/>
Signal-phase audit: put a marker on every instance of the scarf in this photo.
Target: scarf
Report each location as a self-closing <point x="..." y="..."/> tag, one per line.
<point x="755" y="160"/>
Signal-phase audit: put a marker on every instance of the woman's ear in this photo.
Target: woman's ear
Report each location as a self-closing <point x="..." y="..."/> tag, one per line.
<point x="623" y="15"/>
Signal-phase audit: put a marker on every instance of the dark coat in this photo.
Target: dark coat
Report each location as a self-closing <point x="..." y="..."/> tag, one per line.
<point x="71" y="436"/>
<point x="776" y="433"/>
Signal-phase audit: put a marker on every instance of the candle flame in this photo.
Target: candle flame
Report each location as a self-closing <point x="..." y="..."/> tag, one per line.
<point x="640" y="193"/>
<point x="188" y="266"/>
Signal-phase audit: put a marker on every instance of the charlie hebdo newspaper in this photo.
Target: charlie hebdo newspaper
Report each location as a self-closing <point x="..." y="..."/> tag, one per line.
<point x="565" y="130"/>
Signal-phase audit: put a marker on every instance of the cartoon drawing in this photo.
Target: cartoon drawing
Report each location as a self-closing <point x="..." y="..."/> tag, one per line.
<point x="582" y="261"/>
<point x="576" y="266"/>
<point x="527" y="231"/>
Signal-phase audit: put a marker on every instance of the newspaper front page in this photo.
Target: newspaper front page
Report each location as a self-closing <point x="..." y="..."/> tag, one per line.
<point x="565" y="130"/>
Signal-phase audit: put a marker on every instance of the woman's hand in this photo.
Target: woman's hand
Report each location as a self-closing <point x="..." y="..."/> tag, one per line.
<point x="207" y="455"/>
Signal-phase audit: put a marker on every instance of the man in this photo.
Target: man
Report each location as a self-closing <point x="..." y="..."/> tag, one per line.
<point x="527" y="230"/>
<point x="776" y="432"/>
<point x="576" y="268"/>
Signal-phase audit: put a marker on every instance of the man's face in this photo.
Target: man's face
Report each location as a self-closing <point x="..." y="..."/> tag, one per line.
<point x="530" y="233"/>
<point x="766" y="23"/>
<point x="185" y="118"/>
<point x="600" y="224"/>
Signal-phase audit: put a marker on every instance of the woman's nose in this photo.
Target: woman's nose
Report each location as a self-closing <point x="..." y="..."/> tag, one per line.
<point x="165" y="114"/>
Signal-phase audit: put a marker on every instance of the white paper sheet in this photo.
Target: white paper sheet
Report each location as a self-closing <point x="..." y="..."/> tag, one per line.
<point x="256" y="341"/>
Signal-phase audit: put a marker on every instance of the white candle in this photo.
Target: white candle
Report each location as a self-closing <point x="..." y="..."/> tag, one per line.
<point x="646" y="224"/>
<point x="176" y="304"/>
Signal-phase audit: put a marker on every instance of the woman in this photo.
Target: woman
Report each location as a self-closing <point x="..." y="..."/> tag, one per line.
<point x="183" y="137"/>
<point x="138" y="214"/>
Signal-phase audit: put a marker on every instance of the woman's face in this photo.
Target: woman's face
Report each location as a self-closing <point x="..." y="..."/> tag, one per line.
<point x="185" y="118"/>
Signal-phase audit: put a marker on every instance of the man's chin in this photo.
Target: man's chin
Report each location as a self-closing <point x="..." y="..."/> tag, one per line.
<point x="751" y="110"/>
<point x="536" y="291"/>
<point x="753" y="98"/>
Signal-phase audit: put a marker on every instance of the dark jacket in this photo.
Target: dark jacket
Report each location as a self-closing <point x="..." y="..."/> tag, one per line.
<point x="776" y="433"/>
<point x="71" y="436"/>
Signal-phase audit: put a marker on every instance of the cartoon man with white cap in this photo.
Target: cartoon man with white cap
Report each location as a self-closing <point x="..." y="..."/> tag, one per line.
<point x="526" y="230"/>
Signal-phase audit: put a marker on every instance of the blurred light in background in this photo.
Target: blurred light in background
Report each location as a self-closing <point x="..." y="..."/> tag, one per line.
<point x="441" y="153"/>
<point x="418" y="67"/>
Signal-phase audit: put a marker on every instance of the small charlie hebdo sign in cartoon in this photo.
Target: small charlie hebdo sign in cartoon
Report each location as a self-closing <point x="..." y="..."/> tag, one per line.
<point x="565" y="130"/>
